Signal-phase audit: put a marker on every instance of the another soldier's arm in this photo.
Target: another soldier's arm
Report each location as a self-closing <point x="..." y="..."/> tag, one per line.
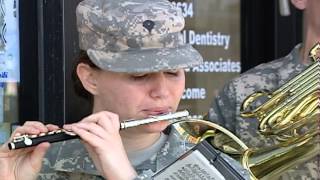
<point x="223" y="107"/>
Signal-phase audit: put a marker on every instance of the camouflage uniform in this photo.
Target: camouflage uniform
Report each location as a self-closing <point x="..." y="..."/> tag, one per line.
<point x="70" y="160"/>
<point x="127" y="36"/>
<point x="225" y="109"/>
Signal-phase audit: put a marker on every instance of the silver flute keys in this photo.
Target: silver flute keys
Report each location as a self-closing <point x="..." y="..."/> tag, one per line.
<point x="62" y="135"/>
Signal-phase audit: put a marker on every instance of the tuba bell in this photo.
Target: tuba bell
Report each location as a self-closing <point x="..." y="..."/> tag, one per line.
<point x="263" y="163"/>
<point x="291" y="115"/>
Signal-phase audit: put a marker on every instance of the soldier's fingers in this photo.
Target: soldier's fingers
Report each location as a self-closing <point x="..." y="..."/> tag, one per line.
<point x="105" y="119"/>
<point x="37" y="125"/>
<point x="101" y="115"/>
<point x="115" y="122"/>
<point x="52" y="127"/>
<point x="93" y="128"/>
<point x="68" y="127"/>
<point x="109" y="121"/>
<point x="88" y="137"/>
<point x="25" y="130"/>
<point x="37" y="156"/>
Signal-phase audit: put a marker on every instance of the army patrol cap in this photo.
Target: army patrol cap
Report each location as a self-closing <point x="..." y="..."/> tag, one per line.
<point x="134" y="35"/>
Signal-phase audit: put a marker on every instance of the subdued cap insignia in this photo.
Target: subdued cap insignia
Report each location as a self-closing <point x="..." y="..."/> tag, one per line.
<point x="148" y="24"/>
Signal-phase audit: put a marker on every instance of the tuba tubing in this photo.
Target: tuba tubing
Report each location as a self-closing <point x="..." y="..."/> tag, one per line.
<point x="262" y="163"/>
<point x="291" y="116"/>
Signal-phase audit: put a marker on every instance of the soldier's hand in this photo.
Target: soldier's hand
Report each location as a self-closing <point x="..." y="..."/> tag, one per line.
<point x="26" y="163"/>
<point x="100" y="134"/>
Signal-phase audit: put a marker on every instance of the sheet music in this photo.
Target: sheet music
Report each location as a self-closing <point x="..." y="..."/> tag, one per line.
<point x="192" y="167"/>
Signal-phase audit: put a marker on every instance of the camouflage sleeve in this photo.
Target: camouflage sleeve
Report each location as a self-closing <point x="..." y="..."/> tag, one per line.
<point x="59" y="175"/>
<point x="223" y="108"/>
<point x="47" y="171"/>
<point x="54" y="175"/>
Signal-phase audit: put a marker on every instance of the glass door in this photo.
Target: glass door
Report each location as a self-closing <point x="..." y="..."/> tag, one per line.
<point x="9" y="66"/>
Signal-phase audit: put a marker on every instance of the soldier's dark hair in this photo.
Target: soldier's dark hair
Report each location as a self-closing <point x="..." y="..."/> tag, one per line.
<point x="77" y="85"/>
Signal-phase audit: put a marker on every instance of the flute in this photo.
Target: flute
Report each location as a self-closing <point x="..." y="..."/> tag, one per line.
<point x="62" y="134"/>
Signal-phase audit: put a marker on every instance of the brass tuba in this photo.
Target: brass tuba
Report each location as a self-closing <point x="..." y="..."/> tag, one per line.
<point x="292" y="109"/>
<point x="264" y="163"/>
<point x="291" y="115"/>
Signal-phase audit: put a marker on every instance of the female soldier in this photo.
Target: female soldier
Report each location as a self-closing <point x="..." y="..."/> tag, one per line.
<point x="131" y="67"/>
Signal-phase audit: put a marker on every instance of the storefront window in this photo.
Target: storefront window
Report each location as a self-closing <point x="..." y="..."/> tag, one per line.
<point x="213" y="28"/>
<point x="9" y="66"/>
